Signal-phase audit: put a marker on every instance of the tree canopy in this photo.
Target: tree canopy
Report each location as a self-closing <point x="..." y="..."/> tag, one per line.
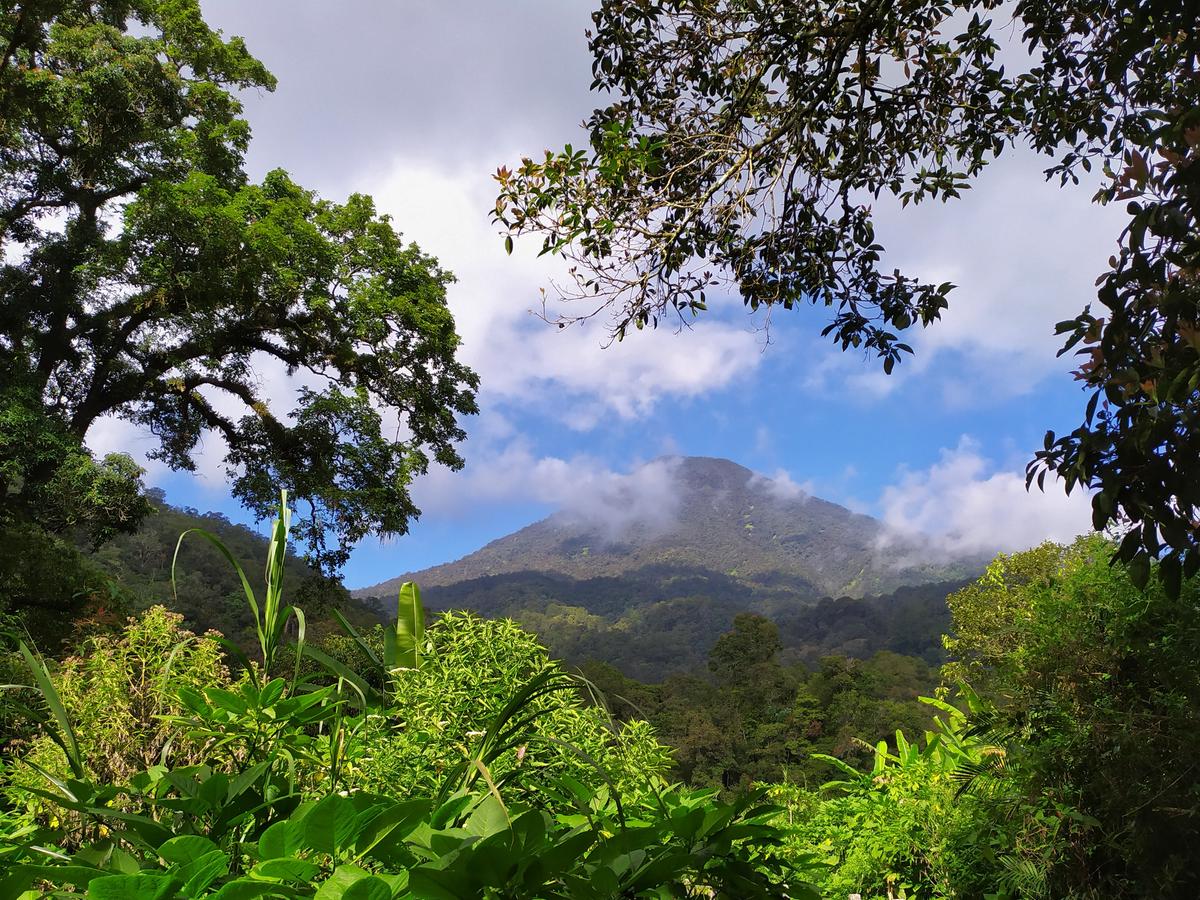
<point x="147" y="277"/>
<point x="745" y="143"/>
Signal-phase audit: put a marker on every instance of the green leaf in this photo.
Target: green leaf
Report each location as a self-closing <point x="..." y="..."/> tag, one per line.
<point x="371" y="888"/>
<point x="246" y="889"/>
<point x="343" y="878"/>
<point x="282" y="839"/>
<point x="65" y="735"/>
<point x="398" y="820"/>
<point x="410" y="627"/>
<point x="133" y="887"/>
<point x="186" y="848"/>
<point x="202" y="872"/>
<point x="331" y="825"/>
<point x="291" y="869"/>
<point x="17" y="881"/>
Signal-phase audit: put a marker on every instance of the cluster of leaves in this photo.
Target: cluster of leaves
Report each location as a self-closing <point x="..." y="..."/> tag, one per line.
<point x="146" y="277"/>
<point x="1097" y="679"/>
<point x="367" y="847"/>
<point x="120" y="691"/>
<point x="260" y="785"/>
<point x="747" y="143"/>
<point x="1069" y="774"/>
<point x="465" y="678"/>
<point x="938" y="818"/>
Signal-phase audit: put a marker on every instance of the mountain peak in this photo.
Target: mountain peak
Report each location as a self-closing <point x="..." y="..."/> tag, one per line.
<point x="702" y="514"/>
<point x="709" y="471"/>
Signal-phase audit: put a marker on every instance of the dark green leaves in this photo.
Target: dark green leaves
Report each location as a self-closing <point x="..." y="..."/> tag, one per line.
<point x="173" y="278"/>
<point x="746" y="143"/>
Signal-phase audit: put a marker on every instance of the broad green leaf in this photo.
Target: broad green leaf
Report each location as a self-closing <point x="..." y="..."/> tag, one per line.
<point x="289" y="869"/>
<point x="186" y="848"/>
<point x="410" y="627"/>
<point x="133" y="887"/>
<point x="343" y="878"/>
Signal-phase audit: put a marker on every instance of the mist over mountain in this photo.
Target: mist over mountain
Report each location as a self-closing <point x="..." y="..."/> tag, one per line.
<point x="648" y="570"/>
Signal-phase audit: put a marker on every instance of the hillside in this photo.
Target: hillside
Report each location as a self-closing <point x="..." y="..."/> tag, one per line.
<point x="207" y="592"/>
<point x="648" y="573"/>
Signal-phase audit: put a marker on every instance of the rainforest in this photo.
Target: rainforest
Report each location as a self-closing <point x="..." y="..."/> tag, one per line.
<point x="328" y="570"/>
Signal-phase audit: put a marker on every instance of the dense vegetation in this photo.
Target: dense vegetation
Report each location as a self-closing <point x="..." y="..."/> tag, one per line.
<point x="1055" y="760"/>
<point x="749" y="719"/>
<point x="236" y="744"/>
<point x="453" y="761"/>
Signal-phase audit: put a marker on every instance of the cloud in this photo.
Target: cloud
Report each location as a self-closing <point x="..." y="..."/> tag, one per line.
<point x="112" y="435"/>
<point x="968" y="506"/>
<point x="426" y="79"/>
<point x="581" y="488"/>
<point x="568" y="374"/>
<point x="1024" y="255"/>
<point x="782" y="486"/>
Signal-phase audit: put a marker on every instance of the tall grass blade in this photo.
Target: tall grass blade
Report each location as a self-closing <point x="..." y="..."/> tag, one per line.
<point x="271" y="618"/>
<point x="65" y="736"/>
<point x="360" y="642"/>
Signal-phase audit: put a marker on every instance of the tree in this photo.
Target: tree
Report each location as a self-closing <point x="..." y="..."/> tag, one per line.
<point x="746" y="142"/>
<point x="1098" y="695"/>
<point x="739" y="656"/>
<point x="146" y="277"/>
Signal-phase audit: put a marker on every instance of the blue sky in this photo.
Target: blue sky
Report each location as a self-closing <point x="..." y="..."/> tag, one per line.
<point x="418" y="103"/>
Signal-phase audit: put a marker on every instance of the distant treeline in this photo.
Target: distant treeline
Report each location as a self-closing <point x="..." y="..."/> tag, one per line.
<point x="664" y="619"/>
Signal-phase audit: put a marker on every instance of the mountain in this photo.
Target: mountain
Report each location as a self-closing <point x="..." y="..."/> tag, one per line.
<point x="647" y="570"/>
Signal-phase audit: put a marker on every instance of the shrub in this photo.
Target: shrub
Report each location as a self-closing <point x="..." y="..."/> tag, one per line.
<point x="117" y="690"/>
<point x="470" y="669"/>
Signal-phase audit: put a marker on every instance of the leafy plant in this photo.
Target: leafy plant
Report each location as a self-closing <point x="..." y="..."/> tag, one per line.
<point x="271" y="618"/>
<point x="276" y="806"/>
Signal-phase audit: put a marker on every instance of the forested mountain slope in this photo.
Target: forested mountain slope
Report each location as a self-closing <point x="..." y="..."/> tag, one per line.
<point x="648" y="575"/>
<point x="133" y="571"/>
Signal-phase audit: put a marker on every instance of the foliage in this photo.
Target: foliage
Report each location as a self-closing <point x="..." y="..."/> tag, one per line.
<point x="274" y="803"/>
<point x="939" y="819"/>
<point x="748" y="142"/>
<point x="1097" y="682"/>
<point x="469" y="670"/>
<point x="271" y="617"/>
<point x="117" y="692"/>
<point x="1068" y="774"/>
<point x="48" y="582"/>
<point x="153" y="278"/>
<point x="46" y="474"/>
<point x="365" y="846"/>
<point x="761" y="721"/>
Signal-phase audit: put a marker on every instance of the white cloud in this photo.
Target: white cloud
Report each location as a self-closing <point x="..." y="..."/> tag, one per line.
<point x="968" y="505"/>
<point x="112" y="435"/>
<point x="782" y="486"/>
<point x="568" y="372"/>
<point x="580" y="488"/>
<point x="1024" y="254"/>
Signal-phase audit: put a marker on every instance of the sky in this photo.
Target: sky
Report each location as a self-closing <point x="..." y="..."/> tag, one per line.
<point x="418" y="103"/>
